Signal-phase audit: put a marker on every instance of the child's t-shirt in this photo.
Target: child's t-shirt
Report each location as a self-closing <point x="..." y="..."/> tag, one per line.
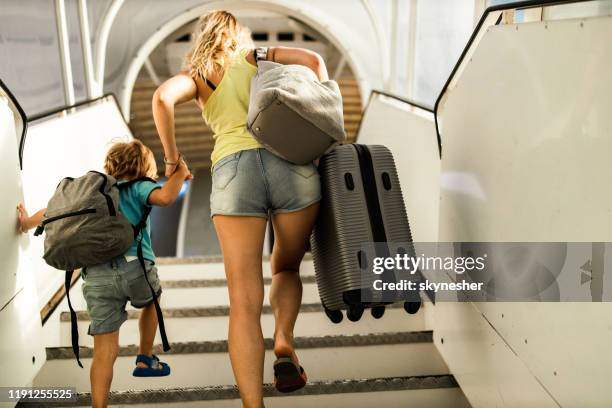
<point x="132" y="202"/>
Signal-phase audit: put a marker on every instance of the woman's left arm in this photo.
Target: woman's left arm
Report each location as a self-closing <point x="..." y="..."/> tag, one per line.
<point x="299" y="56"/>
<point x="176" y="90"/>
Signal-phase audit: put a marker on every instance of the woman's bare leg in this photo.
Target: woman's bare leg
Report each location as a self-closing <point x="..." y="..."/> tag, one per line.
<point x="106" y="348"/>
<point x="241" y="241"/>
<point x="291" y="233"/>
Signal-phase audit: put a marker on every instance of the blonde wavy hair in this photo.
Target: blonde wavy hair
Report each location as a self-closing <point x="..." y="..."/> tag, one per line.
<point x="129" y="161"/>
<point x="218" y="39"/>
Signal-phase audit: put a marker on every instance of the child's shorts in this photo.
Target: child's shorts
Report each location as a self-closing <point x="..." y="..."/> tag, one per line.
<point x="107" y="288"/>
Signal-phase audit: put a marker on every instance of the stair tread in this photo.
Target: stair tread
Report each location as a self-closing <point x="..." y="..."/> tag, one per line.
<point x="219" y="392"/>
<point x="220" y="346"/>
<point x="205" y="259"/>
<point x="209" y="283"/>
<point x="203" y="311"/>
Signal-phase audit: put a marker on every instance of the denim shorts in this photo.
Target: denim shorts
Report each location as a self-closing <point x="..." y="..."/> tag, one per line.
<point x="107" y="288"/>
<point x="256" y="182"/>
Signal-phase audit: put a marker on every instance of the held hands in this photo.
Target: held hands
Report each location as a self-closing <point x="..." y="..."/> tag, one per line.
<point x="184" y="170"/>
<point x="177" y="165"/>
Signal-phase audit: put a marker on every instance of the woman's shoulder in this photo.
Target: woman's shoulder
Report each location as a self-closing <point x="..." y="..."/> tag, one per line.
<point x="248" y="55"/>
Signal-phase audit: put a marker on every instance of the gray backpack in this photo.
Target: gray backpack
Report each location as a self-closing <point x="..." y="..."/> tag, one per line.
<point x="84" y="228"/>
<point x="82" y="223"/>
<point x="292" y="113"/>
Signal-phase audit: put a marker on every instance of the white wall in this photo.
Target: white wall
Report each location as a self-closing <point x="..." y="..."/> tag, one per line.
<point x="409" y="133"/>
<point x="65" y="145"/>
<point x="526" y="142"/>
<point x="21" y="352"/>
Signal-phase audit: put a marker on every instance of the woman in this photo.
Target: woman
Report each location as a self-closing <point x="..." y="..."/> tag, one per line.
<point x="249" y="183"/>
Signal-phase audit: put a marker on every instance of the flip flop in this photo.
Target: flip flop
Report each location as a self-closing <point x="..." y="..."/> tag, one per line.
<point x="155" y="367"/>
<point x="288" y="375"/>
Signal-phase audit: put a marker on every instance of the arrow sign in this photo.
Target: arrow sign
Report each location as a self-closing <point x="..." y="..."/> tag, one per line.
<point x="587" y="267"/>
<point x="584" y="278"/>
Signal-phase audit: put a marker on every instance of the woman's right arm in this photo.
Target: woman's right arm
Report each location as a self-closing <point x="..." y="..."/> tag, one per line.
<point x="176" y="90"/>
<point x="299" y="56"/>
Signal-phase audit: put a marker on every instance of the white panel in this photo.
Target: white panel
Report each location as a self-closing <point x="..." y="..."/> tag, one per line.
<point x="526" y="136"/>
<point x="62" y="146"/>
<point x="488" y="371"/>
<point x="29" y="54"/>
<point x="11" y="190"/>
<point x="21" y="351"/>
<point x="409" y="132"/>
<point x="22" y="354"/>
<point x="565" y="346"/>
<point x="526" y="139"/>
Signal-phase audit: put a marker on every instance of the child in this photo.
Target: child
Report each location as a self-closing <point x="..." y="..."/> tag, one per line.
<point x="107" y="287"/>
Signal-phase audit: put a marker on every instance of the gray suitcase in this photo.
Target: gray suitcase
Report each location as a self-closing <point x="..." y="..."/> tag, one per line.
<point x="361" y="202"/>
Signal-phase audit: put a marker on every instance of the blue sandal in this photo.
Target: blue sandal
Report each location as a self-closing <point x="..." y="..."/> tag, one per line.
<point x="155" y="367"/>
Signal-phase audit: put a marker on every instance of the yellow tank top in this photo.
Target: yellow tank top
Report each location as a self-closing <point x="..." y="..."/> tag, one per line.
<point x="226" y="110"/>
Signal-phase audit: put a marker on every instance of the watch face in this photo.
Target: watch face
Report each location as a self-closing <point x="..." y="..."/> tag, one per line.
<point x="261" y="53"/>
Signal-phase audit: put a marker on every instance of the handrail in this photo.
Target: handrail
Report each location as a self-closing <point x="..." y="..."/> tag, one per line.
<point x="55" y="111"/>
<point x="403" y="99"/>
<point x="393" y="96"/>
<point x="502" y="7"/>
<point x="23" y="120"/>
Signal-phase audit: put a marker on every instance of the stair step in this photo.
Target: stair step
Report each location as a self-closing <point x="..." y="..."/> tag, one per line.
<point x="197" y="321"/>
<point x="199" y="297"/>
<point x="350" y="390"/>
<point x="220" y="346"/>
<point x="212" y="323"/>
<point x="204" y="311"/>
<point x="211" y="267"/>
<point x="212" y="283"/>
<point x="208" y="288"/>
<point x="206" y="363"/>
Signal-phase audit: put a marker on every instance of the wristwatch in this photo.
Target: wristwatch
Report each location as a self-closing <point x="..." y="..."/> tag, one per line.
<point x="261" y="54"/>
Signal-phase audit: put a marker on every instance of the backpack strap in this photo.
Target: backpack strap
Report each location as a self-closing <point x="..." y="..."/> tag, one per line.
<point x="160" y="317"/>
<point x="138" y="228"/>
<point x="74" y="329"/>
<point x="260" y="54"/>
<point x="109" y="202"/>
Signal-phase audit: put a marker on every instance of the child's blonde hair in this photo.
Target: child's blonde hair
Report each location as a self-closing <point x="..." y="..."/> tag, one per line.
<point x="130" y="160"/>
<point x="218" y="38"/>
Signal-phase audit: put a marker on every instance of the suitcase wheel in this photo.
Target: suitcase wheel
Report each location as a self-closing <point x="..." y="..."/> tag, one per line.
<point x="354" y="312"/>
<point x="334" y="315"/>
<point x="412" y="307"/>
<point x="378" y="311"/>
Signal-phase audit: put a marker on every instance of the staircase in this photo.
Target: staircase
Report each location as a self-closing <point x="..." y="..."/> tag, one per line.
<point x="391" y="362"/>
<point x="194" y="138"/>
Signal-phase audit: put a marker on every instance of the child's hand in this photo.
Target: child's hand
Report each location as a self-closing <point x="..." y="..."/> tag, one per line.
<point x="24" y="218"/>
<point x="184" y="170"/>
